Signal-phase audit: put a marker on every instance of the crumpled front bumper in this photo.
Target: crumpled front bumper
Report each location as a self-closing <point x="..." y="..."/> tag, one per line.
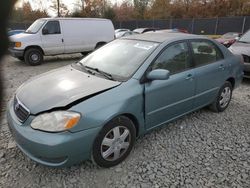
<point x="51" y="149"/>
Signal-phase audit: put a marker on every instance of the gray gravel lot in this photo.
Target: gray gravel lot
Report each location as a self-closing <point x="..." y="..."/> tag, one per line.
<point x="203" y="149"/>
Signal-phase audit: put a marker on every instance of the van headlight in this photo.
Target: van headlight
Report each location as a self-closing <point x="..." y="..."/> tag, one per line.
<point x="18" y="44"/>
<point x="55" y="121"/>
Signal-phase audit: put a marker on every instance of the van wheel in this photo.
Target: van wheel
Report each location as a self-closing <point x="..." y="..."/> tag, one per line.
<point x="223" y="99"/>
<point x="99" y="45"/>
<point x="84" y="53"/>
<point x="114" y="143"/>
<point x="33" y="56"/>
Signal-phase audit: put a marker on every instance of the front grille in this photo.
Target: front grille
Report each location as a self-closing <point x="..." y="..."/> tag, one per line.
<point x="246" y="58"/>
<point x="20" y="110"/>
<point x="11" y="44"/>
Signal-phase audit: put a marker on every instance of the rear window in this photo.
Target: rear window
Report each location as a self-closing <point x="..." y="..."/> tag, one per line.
<point x="205" y="52"/>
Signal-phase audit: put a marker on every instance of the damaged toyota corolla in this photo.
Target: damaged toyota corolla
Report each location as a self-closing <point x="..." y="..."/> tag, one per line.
<point x="95" y="108"/>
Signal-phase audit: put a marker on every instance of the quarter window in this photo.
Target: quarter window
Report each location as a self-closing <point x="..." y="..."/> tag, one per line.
<point x="53" y="27"/>
<point x="205" y="52"/>
<point x="174" y="59"/>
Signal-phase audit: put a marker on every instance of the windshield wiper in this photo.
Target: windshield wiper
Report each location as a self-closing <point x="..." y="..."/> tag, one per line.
<point x="107" y="75"/>
<point x="91" y="69"/>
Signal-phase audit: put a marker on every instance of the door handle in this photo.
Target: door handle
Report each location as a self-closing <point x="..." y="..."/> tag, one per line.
<point x="62" y="40"/>
<point x="189" y="77"/>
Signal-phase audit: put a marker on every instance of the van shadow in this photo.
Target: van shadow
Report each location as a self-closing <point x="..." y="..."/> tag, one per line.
<point x="65" y="59"/>
<point x="70" y="57"/>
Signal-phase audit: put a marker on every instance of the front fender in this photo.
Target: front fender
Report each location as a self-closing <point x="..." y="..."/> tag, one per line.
<point x="124" y="99"/>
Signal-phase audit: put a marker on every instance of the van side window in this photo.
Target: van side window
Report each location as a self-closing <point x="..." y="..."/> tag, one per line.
<point x="174" y="59"/>
<point x="205" y="52"/>
<point x="53" y="27"/>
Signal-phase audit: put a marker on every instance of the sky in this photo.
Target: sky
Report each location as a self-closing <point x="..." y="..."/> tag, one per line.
<point x="71" y="4"/>
<point x="36" y="4"/>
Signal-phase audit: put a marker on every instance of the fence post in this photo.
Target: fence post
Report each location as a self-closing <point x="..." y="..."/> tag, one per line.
<point x="192" y="29"/>
<point x="170" y="23"/>
<point x="216" y="26"/>
<point x="243" y="25"/>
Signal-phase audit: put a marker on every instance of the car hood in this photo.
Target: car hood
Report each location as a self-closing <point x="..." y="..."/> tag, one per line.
<point x="240" y="48"/>
<point x="22" y="37"/>
<point x="59" y="88"/>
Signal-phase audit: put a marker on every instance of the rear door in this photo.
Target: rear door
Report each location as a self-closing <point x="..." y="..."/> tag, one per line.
<point x="211" y="71"/>
<point x="52" y="38"/>
<point x="168" y="99"/>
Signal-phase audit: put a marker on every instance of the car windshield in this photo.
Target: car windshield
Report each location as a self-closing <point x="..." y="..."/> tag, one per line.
<point x="35" y="26"/>
<point x="230" y="35"/>
<point x="120" y="58"/>
<point x="246" y="37"/>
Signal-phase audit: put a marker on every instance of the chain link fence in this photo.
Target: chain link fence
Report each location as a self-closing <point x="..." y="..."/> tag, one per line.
<point x="207" y="26"/>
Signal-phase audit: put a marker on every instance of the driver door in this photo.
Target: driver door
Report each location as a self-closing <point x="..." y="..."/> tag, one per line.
<point x="52" y="38"/>
<point x="168" y="99"/>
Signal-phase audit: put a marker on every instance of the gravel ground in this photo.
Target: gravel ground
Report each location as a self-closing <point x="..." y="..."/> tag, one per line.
<point x="203" y="149"/>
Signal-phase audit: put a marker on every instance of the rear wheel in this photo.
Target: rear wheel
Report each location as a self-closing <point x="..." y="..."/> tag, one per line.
<point x="33" y="56"/>
<point x="99" y="45"/>
<point x="114" y="143"/>
<point x="223" y="99"/>
<point x="84" y="53"/>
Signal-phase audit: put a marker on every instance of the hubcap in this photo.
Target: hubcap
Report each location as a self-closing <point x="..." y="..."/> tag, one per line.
<point x="225" y="97"/>
<point x="34" y="57"/>
<point x="115" y="143"/>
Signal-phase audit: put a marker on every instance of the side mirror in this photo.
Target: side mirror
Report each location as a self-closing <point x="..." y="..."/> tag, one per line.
<point x="45" y="31"/>
<point x="158" y="74"/>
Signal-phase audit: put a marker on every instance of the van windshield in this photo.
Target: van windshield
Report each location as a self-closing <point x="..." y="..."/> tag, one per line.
<point x="35" y="27"/>
<point x="245" y="38"/>
<point x="120" y="58"/>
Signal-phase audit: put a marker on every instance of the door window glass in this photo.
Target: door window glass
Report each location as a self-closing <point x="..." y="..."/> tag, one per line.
<point x="53" y="27"/>
<point x="205" y="52"/>
<point x="174" y="59"/>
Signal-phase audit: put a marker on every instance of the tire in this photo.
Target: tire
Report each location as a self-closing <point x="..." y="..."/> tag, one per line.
<point x="110" y="150"/>
<point x="99" y="45"/>
<point x="223" y="98"/>
<point x="21" y="58"/>
<point x="84" y="53"/>
<point x="33" y="56"/>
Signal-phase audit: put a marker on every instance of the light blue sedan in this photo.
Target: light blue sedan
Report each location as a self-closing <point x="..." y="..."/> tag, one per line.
<point x="95" y="108"/>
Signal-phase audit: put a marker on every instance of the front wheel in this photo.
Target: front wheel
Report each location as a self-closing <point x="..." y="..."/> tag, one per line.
<point x="223" y="99"/>
<point x="114" y="143"/>
<point x="33" y="56"/>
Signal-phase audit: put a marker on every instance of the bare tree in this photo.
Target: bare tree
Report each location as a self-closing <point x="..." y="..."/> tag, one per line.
<point x="58" y="8"/>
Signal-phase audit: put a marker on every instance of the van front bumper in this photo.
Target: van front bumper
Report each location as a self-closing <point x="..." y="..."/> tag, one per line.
<point x="51" y="149"/>
<point x="16" y="53"/>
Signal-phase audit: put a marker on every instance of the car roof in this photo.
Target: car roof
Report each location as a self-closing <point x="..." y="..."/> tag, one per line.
<point x="71" y="18"/>
<point x="161" y="37"/>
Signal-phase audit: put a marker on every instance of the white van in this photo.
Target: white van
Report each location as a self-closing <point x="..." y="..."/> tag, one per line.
<point x="54" y="36"/>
